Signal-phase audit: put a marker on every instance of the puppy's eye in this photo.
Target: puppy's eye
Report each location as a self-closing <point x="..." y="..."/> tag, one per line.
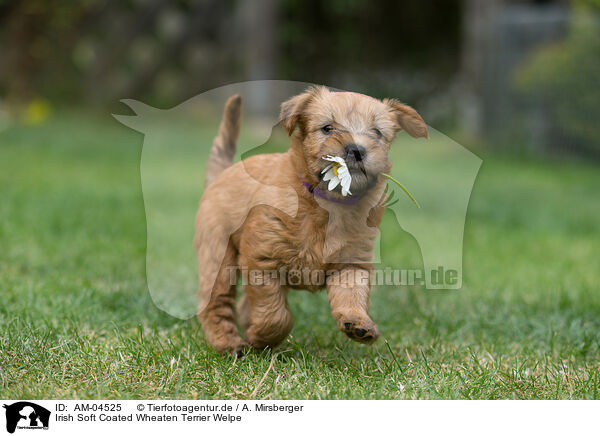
<point x="327" y="129"/>
<point x="377" y="132"/>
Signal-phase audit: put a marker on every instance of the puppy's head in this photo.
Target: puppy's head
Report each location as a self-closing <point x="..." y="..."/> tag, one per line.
<point x="352" y="126"/>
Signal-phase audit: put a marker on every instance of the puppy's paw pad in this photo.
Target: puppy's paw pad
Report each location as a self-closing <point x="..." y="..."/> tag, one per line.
<point x="360" y="332"/>
<point x="364" y="330"/>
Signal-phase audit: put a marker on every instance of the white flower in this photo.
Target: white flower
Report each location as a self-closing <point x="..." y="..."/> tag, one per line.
<point x="337" y="173"/>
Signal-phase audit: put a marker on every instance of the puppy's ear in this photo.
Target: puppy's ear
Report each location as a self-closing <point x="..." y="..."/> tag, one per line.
<point x="408" y="119"/>
<point x="293" y="109"/>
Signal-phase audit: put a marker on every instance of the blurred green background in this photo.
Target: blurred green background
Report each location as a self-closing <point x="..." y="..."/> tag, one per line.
<point x="521" y="74"/>
<point x="515" y="81"/>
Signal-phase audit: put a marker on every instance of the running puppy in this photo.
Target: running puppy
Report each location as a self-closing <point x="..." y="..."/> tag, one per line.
<point x="274" y="212"/>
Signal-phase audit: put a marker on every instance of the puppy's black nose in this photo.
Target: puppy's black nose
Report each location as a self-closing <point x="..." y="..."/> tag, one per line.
<point x="355" y="152"/>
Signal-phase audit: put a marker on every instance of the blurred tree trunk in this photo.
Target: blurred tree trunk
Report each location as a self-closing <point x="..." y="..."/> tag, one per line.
<point x="259" y="20"/>
<point x="477" y="21"/>
<point x="19" y="62"/>
<point x="498" y="37"/>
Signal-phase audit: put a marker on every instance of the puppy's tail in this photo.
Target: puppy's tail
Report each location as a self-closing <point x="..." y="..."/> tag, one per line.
<point x="224" y="144"/>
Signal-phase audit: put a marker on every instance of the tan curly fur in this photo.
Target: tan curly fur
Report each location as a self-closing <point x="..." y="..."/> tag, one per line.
<point x="271" y="221"/>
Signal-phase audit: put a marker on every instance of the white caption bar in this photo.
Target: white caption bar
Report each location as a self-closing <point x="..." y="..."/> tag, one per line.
<point x="74" y="417"/>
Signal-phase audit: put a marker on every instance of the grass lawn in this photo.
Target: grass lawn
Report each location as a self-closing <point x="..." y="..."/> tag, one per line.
<point x="77" y="320"/>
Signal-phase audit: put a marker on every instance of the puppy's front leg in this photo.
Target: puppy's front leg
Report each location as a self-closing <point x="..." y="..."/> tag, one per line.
<point x="348" y="294"/>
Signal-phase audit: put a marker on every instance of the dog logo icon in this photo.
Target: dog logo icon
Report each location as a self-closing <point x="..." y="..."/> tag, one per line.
<point x="26" y="415"/>
<point x="441" y="175"/>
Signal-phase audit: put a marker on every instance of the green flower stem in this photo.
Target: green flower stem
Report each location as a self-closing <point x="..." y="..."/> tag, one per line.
<point x="387" y="176"/>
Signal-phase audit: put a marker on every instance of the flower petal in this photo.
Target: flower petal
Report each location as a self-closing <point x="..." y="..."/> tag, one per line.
<point x="337" y="159"/>
<point x="329" y="175"/>
<point x="333" y="183"/>
<point x="327" y="168"/>
<point x="346" y="182"/>
<point x="343" y="172"/>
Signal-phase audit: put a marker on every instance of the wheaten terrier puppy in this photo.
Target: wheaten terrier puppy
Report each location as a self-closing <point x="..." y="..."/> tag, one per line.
<point x="275" y="215"/>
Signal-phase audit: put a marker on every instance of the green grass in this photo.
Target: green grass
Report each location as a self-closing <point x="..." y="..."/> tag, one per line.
<point x="77" y="320"/>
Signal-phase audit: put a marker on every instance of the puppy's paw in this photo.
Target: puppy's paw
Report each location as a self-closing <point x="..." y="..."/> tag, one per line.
<point x="240" y="351"/>
<point x="359" y="328"/>
<point x="235" y="347"/>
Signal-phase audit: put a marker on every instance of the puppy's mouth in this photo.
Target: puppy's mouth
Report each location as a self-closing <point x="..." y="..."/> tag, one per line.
<point x="362" y="180"/>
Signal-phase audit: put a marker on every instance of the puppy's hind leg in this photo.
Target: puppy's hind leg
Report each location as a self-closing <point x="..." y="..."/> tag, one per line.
<point x="218" y="317"/>
<point x="269" y="319"/>
<point x="243" y="312"/>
